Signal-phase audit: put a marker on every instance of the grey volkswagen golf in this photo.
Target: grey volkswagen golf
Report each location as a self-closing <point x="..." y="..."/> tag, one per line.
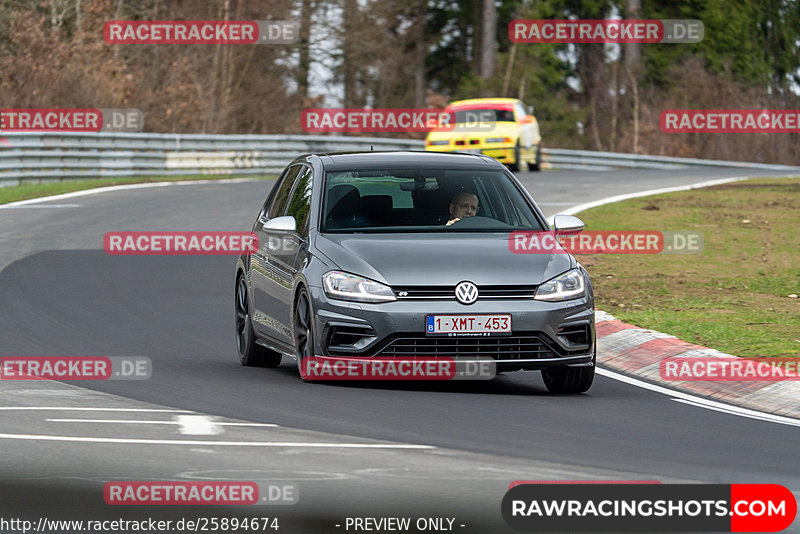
<point x="406" y="254"/>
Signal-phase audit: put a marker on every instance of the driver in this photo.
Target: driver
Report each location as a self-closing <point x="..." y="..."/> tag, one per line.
<point x="464" y="204"/>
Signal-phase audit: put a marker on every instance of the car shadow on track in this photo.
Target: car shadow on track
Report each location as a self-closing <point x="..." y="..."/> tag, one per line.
<point x="512" y="383"/>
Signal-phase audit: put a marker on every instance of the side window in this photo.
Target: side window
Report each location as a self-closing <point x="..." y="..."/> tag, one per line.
<point x="520" y="109"/>
<point x="281" y="199"/>
<point x="300" y="205"/>
<point x="271" y="195"/>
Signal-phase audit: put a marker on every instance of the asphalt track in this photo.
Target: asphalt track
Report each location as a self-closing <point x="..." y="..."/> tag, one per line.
<point x="60" y="294"/>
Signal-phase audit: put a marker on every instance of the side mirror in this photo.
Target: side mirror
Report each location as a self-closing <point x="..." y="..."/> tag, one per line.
<point x="567" y="224"/>
<point x="530" y="109"/>
<point x="281" y="224"/>
<point x="527" y="119"/>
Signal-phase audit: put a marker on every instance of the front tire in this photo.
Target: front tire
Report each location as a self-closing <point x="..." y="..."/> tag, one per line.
<point x="303" y="330"/>
<point x="570" y="379"/>
<point x="514" y="167"/>
<point x="251" y="354"/>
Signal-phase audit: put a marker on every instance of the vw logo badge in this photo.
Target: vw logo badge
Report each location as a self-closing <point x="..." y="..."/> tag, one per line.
<point x="466" y="292"/>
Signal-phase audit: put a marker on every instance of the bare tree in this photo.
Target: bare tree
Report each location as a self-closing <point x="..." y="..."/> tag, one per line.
<point x="488" y="39"/>
<point x="633" y="58"/>
<point x="348" y="52"/>
<point x="306" y="6"/>
<point x="420" y="53"/>
<point x="633" y="51"/>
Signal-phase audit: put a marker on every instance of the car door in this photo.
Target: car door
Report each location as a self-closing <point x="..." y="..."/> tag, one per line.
<point x="272" y="266"/>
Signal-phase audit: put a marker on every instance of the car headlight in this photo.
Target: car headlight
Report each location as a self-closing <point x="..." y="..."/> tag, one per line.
<point x="569" y="285"/>
<point x="339" y="285"/>
<point x="498" y="140"/>
<point x="439" y="142"/>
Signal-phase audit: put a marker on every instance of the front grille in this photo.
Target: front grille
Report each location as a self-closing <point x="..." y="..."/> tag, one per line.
<point x="521" y="346"/>
<point x="445" y="292"/>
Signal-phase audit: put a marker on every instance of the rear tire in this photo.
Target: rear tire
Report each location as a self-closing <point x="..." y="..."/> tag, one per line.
<point x="251" y="354"/>
<point x="570" y="379"/>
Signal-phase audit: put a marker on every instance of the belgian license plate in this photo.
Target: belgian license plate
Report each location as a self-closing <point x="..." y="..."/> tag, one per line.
<point x="482" y="325"/>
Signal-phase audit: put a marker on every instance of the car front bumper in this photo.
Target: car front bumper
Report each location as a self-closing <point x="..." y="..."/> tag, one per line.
<point x="544" y="334"/>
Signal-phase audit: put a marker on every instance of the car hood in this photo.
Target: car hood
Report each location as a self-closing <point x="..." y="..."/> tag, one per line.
<point x="435" y="259"/>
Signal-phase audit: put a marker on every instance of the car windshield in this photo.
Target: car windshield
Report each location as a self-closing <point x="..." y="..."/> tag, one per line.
<point x="414" y="200"/>
<point x="483" y="115"/>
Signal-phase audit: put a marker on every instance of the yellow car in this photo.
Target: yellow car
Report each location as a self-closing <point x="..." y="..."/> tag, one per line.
<point x="500" y="128"/>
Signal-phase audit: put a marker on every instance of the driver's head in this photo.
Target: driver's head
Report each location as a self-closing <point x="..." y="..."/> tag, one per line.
<point x="464" y="204"/>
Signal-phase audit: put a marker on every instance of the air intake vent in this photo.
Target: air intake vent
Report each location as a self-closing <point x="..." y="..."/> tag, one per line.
<point x="349" y="339"/>
<point x="575" y="335"/>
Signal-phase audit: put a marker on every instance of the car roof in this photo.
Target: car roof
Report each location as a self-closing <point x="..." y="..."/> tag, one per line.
<point x="400" y="158"/>
<point x="473" y="101"/>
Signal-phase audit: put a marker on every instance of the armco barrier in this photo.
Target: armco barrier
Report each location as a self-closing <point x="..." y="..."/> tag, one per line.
<point x="40" y="156"/>
<point x="557" y="156"/>
<point x="35" y="156"/>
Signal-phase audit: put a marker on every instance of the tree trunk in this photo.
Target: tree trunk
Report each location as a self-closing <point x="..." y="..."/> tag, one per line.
<point x="349" y="61"/>
<point x="305" y="53"/>
<point x="488" y="39"/>
<point x="78" y="20"/>
<point x="509" y="69"/>
<point x="633" y="51"/>
<point x="635" y="91"/>
<point x="420" y="53"/>
<point x="614" y="104"/>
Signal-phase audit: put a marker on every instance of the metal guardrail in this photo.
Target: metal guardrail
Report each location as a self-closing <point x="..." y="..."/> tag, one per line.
<point x="556" y="156"/>
<point x="43" y="156"/>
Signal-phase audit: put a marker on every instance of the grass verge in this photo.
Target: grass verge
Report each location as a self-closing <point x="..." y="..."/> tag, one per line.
<point x="27" y="191"/>
<point x="734" y="296"/>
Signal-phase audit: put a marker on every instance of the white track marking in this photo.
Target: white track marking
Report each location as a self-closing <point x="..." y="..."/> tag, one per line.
<point x="700" y="402"/>
<point x="626" y="196"/>
<point x="86" y="409"/>
<point x="37" y="206"/>
<point x="135" y="422"/>
<point x="735" y="410"/>
<point x="112" y="188"/>
<point x="125" y="441"/>
<point x="197" y="425"/>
